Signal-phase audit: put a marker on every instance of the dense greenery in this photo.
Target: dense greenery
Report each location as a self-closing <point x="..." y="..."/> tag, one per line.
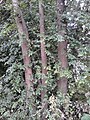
<point x="75" y="105"/>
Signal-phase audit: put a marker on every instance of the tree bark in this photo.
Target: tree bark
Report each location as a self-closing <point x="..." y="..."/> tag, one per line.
<point x="43" y="58"/>
<point x="62" y="46"/>
<point x="24" y="37"/>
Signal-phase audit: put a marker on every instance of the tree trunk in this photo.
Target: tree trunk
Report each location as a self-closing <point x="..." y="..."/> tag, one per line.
<point x="62" y="45"/>
<point x="24" y="37"/>
<point x="43" y="58"/>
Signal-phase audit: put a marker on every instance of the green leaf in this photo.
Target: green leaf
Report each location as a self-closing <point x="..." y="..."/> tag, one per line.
<point x="7" y="113"/>
<point x="14" y="105"/>
<point x="88" y="101"/>
<point x="86" y="117"/>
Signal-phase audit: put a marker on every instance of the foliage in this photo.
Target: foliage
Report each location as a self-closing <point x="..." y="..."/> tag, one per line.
<point x="85" y="117"/>
<point x="14" y="104"/>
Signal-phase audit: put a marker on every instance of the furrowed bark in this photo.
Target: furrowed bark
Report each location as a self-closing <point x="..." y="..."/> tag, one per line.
<point x="62" y="46"/>
<point x="24" y="37"/>
<point x="43" y="57"/>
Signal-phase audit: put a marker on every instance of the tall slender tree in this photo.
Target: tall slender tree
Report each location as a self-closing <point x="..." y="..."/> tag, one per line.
<point x="24" y="37"/>
<point x="62" y="45"/>
<point x="43" y="55"/>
